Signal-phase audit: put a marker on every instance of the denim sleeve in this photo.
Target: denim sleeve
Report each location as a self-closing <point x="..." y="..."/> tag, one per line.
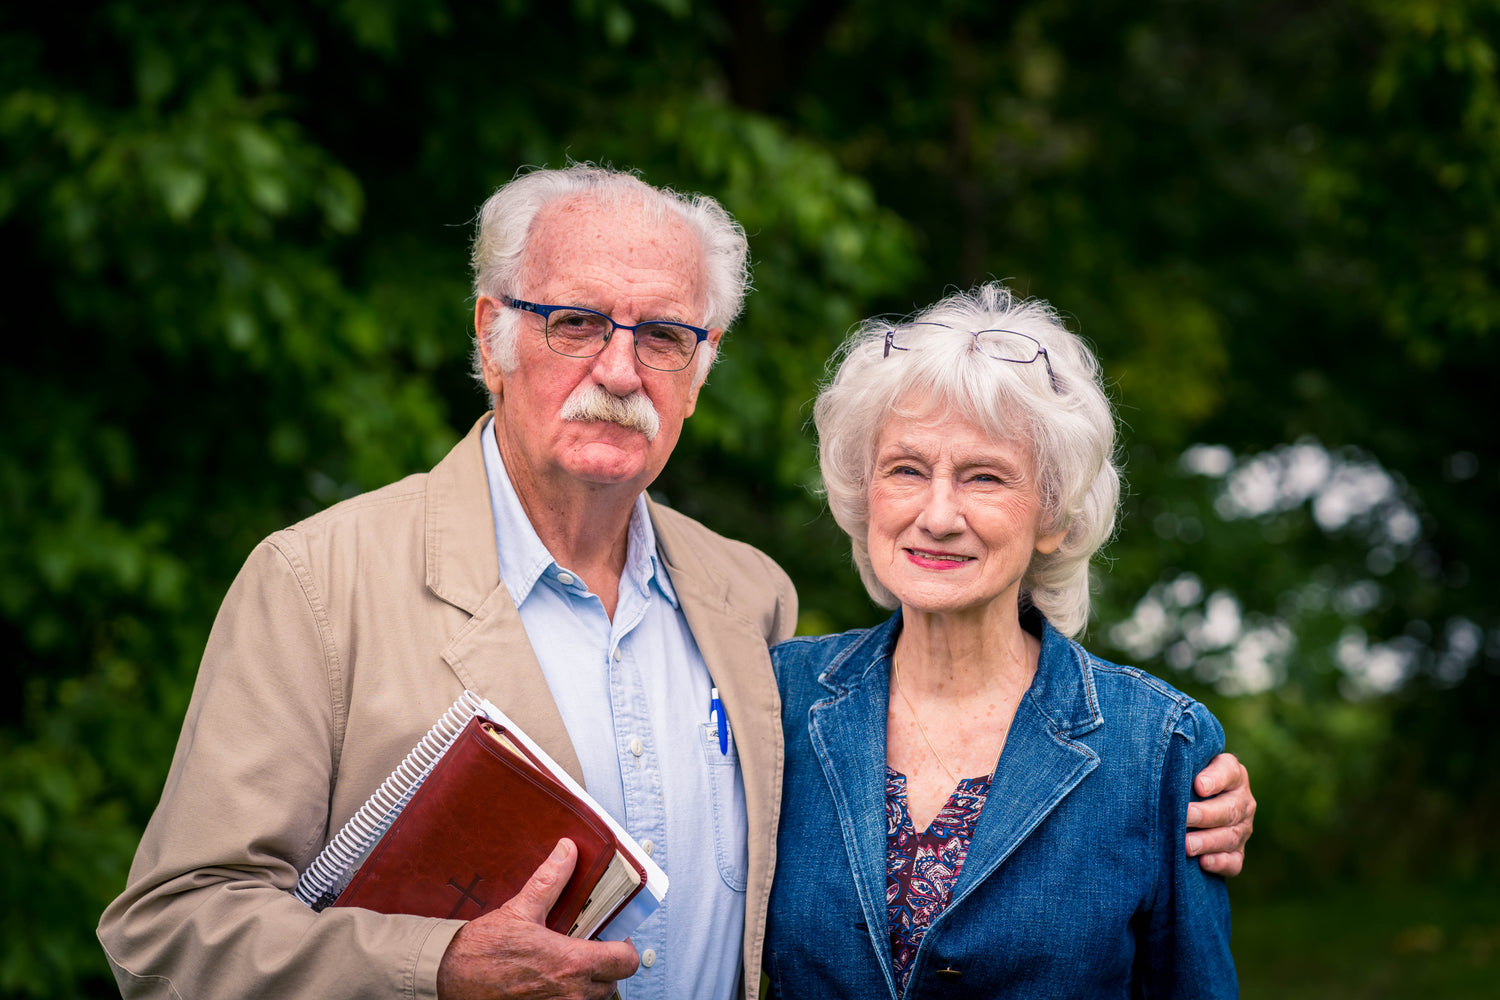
<point x="1187" y="948"/>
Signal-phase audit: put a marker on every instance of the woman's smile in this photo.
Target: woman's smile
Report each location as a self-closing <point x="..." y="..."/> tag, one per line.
<point x="929" y="559"/>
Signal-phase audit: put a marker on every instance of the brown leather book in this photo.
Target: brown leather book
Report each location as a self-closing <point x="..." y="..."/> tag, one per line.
<point x="477" y="828"/>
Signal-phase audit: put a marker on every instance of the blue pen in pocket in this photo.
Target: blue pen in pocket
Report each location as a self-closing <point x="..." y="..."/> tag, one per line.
<point x="716" y="714"/>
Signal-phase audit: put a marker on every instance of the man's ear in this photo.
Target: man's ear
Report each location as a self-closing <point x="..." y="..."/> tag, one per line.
<point x="486" y="311"/>
<point x="712" y="344"/>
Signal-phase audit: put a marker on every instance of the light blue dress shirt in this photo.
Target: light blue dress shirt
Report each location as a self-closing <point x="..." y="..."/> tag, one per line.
<point x="634" y="694"/>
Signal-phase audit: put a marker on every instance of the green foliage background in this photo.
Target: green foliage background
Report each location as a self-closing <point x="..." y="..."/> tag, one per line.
<point x="238" y="293"/>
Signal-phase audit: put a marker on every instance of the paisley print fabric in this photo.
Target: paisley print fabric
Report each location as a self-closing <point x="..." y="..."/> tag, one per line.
<point x="921" y="868"/>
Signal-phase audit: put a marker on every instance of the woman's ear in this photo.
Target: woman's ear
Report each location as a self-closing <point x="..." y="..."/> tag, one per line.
<point x="1047" y="544"/>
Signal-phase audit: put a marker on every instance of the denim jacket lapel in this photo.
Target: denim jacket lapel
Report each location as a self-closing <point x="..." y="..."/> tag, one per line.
<point x="1040" y="764"/>
<point x="847" y="729"/>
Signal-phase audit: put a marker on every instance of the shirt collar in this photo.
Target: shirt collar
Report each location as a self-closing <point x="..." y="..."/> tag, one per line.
<point x="524" y="559"/>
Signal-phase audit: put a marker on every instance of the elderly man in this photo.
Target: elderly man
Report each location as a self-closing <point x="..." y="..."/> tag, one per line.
<point x="528" y="566"/>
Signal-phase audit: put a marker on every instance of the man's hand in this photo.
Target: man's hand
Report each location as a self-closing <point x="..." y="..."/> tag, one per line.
<point x="509" y="953"/>
<point x="1225" y="816"/>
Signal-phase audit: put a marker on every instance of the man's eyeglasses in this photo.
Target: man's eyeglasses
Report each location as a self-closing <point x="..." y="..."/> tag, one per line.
<point x="1002" y="345"/>
<point x="583" y="333"/>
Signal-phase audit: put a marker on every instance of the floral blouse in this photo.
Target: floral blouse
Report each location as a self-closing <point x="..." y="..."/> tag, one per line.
<point x="922" y="868"/>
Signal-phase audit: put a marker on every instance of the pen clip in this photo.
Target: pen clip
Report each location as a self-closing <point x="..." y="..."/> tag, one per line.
<point x="716" y="715"/>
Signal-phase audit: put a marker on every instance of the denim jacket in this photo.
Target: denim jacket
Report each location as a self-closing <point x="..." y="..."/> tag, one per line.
<point x="1076" y="884"/>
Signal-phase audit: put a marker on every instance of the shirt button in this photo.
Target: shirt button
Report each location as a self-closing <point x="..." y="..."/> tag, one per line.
<point x="617" y="654"/>
<point x="649" y="846"/>
<point x="648" y="957"/>
<point x="566" y="579"/>
<point x="636" y="746"/>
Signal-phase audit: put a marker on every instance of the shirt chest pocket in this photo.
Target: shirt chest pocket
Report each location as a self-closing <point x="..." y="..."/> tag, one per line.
<point x="726" y="786"/>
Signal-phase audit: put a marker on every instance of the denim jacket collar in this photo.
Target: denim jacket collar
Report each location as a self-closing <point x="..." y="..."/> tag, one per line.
<point x="1062" y="691"/>
<point x="1040" y="765"/>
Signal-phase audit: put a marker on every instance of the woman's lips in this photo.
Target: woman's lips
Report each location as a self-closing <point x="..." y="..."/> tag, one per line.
<point x="937" y="560"/>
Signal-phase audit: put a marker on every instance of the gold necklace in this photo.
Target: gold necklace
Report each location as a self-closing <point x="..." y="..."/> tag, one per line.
<point x="896" y="669"/>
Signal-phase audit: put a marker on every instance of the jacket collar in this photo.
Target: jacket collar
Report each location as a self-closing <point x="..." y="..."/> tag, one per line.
<point x="1062" y="691"/>
<point x="462" y="568"/>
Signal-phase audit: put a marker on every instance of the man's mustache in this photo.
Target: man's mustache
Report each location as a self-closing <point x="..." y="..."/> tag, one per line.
<point x="594" y="402"/>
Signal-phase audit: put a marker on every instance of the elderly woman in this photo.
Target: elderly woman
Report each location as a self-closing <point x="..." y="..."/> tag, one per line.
<point x="974" y="805"/>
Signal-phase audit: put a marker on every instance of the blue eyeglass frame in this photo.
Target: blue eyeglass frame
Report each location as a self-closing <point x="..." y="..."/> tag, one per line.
<point x="546" y="313"/>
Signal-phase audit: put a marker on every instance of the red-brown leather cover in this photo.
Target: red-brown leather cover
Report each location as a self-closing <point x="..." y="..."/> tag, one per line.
<point x="474" y="833"/>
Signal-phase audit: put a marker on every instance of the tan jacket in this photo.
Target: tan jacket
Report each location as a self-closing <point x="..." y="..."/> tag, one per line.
<point x="341" y="641"/>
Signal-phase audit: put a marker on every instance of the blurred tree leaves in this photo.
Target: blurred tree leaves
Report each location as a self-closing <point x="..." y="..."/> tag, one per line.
<point x="240" y="294"/>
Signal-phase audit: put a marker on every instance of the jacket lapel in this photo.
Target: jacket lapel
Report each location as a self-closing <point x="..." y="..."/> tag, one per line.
<point x="493" y="657"/>
<point x="735" y="652"/>
<point x="1040" y="764"/>
<point x="492" y="654"/>
<point x="734" y="649"/>
<point x="848" y="732"/>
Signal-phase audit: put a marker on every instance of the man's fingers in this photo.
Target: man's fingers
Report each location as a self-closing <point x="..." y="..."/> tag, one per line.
<point x="1220" y="811"/>
<point x="1218" y="840"/>
<point x="1221" y="823"/>
<point x="1221" y="850"/>
<point x="537" y="896"/>
<point x="1222" y="773"/>
<point x="509" y="952"/>
<point x="1226" y="864"/>
<point x="616" y="960"/>
<point x="1228" y="802"/>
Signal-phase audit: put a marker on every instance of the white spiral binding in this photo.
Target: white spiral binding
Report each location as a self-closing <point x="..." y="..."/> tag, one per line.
<point x="331" y="870"/>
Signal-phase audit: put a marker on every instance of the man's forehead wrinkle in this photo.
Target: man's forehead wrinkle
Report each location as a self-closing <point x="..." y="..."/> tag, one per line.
<point x="592" y="251"/>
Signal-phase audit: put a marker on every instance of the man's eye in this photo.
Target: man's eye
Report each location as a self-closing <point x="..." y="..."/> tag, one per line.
<point x="577" y="321"/>
<point x="663" y="334"/>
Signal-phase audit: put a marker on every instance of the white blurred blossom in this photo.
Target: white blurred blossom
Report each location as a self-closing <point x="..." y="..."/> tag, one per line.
<point x="1341" y="489"/>
<point x="1374" y="669"/>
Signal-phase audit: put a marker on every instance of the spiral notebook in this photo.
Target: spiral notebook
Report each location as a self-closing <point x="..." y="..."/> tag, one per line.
<point x="466" y="818"/>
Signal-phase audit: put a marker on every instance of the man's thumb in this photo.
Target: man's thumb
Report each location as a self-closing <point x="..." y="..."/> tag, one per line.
<point x="537" y="896"/>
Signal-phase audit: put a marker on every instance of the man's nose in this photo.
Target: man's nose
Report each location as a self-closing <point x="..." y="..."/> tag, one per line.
<point x="616" y="367"/>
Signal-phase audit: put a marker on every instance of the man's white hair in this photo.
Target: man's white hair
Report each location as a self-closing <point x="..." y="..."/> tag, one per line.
<point x="504" y="227"/>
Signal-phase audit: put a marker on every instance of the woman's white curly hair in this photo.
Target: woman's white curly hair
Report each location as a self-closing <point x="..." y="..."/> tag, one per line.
<point x="1070" y="429"/>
